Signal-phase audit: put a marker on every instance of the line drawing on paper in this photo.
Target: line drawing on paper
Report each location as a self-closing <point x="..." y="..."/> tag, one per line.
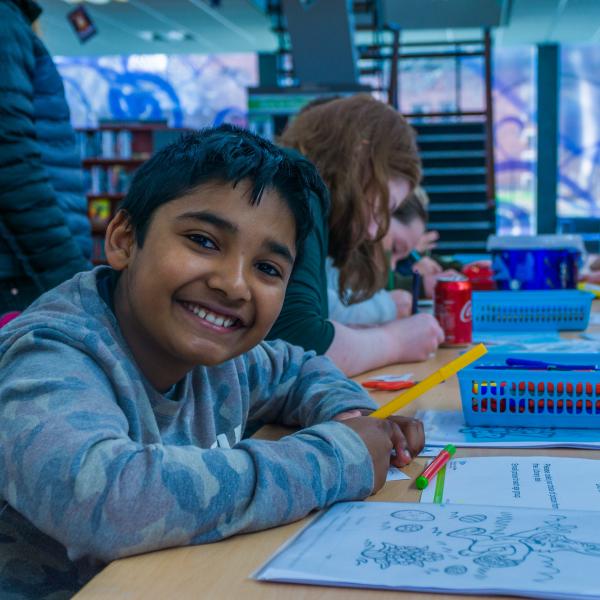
<point x="388" y="554"/>
<point x="413" y="515"/>
<point x="472" y="518"/>
<point x="492" y="550"/>
<point x="409" y="528"/>
<point x="487" y="548"/>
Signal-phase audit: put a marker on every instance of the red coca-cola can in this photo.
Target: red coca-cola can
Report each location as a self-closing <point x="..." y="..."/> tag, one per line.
<point x="453" y="309"/>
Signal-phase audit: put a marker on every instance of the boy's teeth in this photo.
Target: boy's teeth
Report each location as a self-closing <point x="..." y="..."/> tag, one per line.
<point x="211" y="317"/>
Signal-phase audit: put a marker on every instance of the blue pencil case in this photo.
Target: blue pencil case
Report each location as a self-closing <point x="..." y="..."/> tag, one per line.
<point x="493" y="394"/>
<point x="549" y="310"/>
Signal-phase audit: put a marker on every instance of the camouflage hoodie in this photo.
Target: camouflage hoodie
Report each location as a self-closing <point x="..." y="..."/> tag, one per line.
<point x="95" y="464"/>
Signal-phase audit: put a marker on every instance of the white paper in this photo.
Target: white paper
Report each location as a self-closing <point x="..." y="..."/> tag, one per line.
<point x="515" y="337"/>
<point x="392" y="378"/>
<point x="520" y="481"/>
<point x="563" y="346"/>
<point x="448" y="548"/>
<point x="448" y="427"/>
<point x="395" y="474"/>
<point x="430" y="450"/>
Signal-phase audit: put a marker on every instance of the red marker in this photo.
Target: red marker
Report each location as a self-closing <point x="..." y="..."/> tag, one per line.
<point x="436" y="464"/>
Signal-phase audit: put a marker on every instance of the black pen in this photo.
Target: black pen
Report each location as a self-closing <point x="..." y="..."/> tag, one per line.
<point x="416" y="288"/>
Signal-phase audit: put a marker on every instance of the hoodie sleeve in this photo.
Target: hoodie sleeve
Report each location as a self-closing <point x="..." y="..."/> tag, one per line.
<point x="297" y="388"/>
<point x="69" y="465"/>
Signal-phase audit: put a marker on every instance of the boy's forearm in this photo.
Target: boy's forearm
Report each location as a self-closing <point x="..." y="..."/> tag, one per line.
<point x="300" y="389"/>
<point x="127" y="499"/>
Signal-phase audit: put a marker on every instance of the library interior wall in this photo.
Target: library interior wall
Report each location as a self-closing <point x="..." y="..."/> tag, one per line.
<point x="201" y="90"/>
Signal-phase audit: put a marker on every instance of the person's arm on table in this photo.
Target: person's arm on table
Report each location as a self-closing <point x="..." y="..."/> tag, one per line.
<point x="411" y="339"/>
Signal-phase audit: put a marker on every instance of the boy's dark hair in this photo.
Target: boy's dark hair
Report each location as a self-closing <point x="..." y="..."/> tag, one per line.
<point x="227" y="154"/>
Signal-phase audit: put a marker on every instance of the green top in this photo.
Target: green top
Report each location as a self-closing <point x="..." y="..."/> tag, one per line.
<point x="304" y="317"/>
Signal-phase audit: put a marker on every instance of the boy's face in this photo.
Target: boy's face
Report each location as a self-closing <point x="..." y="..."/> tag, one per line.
<point x="208" y="282"/>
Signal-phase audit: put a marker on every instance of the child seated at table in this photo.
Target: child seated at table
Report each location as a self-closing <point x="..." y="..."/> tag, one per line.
<point x="407" y="240"/>
<point x="125" y="391"/>
<point x="407" y="229"/>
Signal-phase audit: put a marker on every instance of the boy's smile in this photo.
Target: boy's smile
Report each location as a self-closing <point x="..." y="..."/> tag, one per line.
<point x="207" y="283"/>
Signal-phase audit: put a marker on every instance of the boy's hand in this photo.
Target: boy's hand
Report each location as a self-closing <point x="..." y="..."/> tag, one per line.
<point x="403" y="435"/>
<point x="414" y="433"/>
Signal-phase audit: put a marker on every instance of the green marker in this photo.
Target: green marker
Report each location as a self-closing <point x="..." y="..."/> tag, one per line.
<point x="436" y="464"/>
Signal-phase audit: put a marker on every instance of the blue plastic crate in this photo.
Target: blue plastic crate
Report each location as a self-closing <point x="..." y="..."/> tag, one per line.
<point x="554" y="310"/>
<point x="531" y="398"/>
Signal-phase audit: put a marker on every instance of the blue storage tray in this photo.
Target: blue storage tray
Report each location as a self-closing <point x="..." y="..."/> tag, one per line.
<point x="531" y="398"/>
<point x="554" y="310"/>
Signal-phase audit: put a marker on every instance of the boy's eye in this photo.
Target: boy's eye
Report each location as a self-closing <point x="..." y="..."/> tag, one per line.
<point x="203" y="241"/>
<point x="268" y="269"/>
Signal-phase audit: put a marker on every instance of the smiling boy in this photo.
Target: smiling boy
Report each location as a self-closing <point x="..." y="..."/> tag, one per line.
<point x="124" y="392"/>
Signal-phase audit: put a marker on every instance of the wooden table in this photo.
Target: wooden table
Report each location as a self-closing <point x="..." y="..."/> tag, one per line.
<point x="221" y="570"/>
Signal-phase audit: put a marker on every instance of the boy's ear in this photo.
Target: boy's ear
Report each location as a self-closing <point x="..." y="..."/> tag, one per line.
<point x="119" y="242"/>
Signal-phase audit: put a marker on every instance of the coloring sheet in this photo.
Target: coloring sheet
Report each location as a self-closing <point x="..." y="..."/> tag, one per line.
<point x="519" y="481"/>
<point x="448" y="427"/>
<point x="445" y="548"/>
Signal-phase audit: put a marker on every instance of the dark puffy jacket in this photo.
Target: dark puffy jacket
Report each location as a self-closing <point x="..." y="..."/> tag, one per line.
<point x="44" y="229"/>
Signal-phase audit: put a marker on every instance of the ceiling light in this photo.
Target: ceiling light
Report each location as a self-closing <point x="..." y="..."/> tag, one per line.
<point x="148" y="36"/>
<point x="175" y="36"/>
<point x="92" y="1"/>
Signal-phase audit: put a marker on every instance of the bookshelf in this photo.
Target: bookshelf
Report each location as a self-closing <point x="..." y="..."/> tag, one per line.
<point x="110" y="155"/>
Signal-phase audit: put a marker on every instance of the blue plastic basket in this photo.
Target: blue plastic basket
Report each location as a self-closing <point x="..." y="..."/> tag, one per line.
<point x="554" y="310"/>
<point x="531" y="398"/>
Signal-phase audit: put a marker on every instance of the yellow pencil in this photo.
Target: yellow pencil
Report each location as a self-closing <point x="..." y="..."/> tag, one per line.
<point x="429" y="382"/>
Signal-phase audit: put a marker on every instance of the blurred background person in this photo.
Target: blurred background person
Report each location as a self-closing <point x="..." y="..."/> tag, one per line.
<point x="44" y="229"/>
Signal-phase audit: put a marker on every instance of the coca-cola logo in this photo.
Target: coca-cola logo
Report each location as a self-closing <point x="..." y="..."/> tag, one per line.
<point x="466" y="313"/>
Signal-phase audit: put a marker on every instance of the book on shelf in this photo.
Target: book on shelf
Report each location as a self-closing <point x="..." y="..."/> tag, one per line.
<point x="107" y="143"/>
<point x="99" y="211"/>
<point x="98" y="254"/>
<point x="113" y="179"/>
